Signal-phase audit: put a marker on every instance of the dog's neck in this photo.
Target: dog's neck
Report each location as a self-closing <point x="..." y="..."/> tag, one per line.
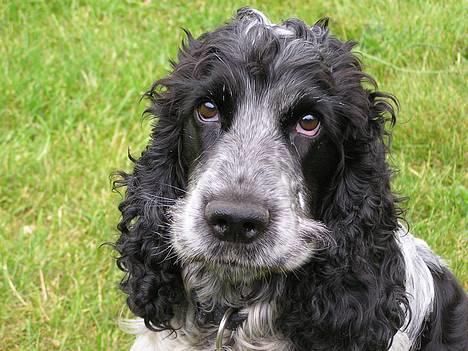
<point x="212" y="289"/>
<point x="210" y="294"/>
<point x="231" y="288"/>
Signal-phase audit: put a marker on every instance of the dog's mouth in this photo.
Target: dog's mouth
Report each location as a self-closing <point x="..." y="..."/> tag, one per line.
<point x="232" y="264"/>
<point x="235" y="271"/>
<point x="238" y="264"/>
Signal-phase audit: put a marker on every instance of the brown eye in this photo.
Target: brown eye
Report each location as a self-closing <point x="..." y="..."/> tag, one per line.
<point x="308" y="125"/>
<point x="208" y="112"/>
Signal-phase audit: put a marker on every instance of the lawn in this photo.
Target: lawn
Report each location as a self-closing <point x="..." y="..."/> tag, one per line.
<point x="72" y="74"/>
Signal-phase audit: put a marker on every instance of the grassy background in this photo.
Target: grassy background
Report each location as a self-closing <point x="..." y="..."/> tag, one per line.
<point x="72" y="73"/>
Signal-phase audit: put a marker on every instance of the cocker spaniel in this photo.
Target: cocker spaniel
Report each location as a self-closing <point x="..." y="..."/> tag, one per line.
<point x="260" y="216"/>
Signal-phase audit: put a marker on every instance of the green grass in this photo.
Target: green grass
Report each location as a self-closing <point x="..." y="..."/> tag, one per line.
<point x="72" y="73"/>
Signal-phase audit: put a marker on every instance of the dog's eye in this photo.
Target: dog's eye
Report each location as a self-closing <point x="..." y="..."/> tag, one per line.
<point x="308" y="125"/>
<point x="208" y="112"/>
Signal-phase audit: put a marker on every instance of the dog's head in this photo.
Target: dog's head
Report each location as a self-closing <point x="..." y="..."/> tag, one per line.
<point x="252" y="102"/>
<point x="266" y="149"/>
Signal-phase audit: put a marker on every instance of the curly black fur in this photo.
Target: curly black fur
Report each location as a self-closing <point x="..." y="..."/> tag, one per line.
<point x="153" y="281"/>
<point x="353" y="297"/>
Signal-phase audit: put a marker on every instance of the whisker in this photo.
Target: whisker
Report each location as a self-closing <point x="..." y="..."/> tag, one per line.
<point x="172" y="186"/>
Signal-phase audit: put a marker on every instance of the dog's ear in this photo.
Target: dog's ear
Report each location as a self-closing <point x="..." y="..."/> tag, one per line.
<point x="152" y="282"/>
<point x="353" y="295"/>
<point x="368" y="294"/>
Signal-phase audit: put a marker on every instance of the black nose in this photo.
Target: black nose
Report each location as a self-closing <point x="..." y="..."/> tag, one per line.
<point x="236" y="222"/>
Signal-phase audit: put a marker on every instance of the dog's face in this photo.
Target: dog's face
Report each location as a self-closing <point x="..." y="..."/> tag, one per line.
<point x="256" y="105"/>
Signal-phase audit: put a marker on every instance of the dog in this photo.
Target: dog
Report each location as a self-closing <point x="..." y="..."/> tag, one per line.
<point x="260" y="216"/>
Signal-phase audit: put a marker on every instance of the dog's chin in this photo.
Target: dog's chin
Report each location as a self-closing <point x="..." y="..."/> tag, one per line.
<point x="235" y="272"/>
<point x="235" y="267"/>
<point x="232" y="270"/>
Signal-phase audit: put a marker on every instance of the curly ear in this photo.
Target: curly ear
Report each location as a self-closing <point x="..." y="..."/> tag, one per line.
<point x="352" y="297"/>
<point x="367" y="293"/>
<point x="152" y="282"/>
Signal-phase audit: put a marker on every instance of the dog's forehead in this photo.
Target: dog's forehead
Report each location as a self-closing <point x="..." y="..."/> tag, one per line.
<point x="251" y="46"/>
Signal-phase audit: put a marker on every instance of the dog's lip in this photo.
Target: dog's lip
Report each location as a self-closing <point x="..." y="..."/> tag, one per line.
<point x="231" y="263"/>
<point x="223" y="261"/>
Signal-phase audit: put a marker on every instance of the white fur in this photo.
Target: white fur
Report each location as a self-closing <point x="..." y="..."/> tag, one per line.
<point x="255" y="334"/>
<point x="258" y="18"/>
<point x="419" y="287"/>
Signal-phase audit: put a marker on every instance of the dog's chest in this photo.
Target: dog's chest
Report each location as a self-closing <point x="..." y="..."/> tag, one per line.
<point x="239" y="341"/>
<point x="257" y="332"/>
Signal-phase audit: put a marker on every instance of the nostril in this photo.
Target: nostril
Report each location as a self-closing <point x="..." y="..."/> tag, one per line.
<point x="250" y="230"/>
<point x="249" y="226"/>
<point x="220" y="225"/>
